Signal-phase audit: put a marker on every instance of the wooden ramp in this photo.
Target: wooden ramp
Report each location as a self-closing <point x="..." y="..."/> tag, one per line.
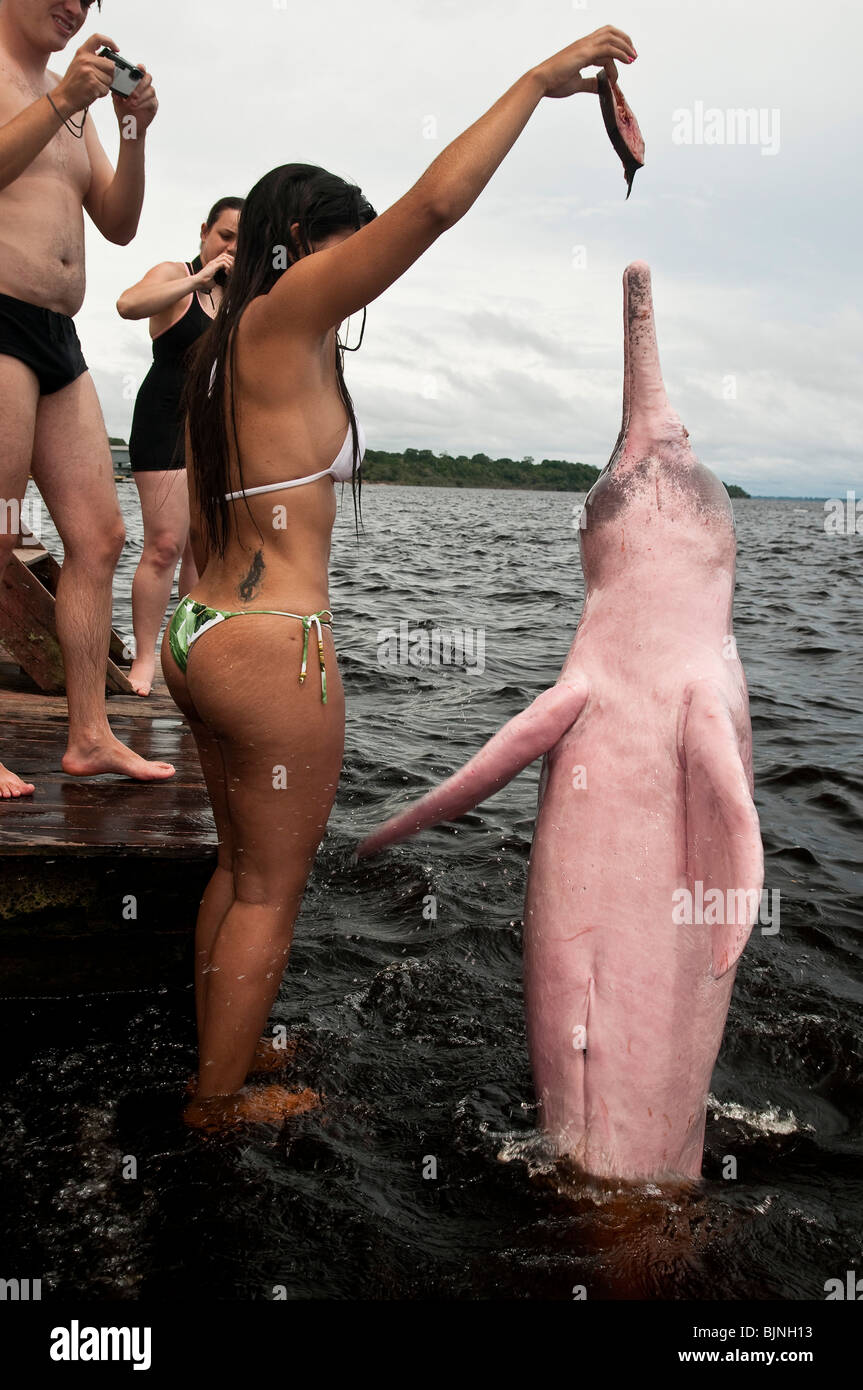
<point x="100" y="878"/>
<point x="28" y="631"/>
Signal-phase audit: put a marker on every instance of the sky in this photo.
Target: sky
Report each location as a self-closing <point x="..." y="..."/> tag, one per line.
<point x="506" y="337"/>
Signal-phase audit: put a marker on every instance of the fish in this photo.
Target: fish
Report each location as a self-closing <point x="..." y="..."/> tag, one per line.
<point x="621" y="125"/>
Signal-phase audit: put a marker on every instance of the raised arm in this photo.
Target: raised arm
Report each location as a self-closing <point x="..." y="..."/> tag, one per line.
<point x="116" y="196"/>
<point x="22" y="138"/>
<point x="166" y="285"/>
<point x="161" y="289"/>
<point x="323" y="289"/>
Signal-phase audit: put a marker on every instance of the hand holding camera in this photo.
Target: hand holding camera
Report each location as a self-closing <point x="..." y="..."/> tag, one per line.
<point x="215" y="272"/>
<point x="98" y="69"/>
<point x="132" y="89"/>
<point x="88" y="77"/>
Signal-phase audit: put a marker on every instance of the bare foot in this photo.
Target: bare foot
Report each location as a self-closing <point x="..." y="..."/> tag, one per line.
<point x="141" y="675"/>
<point x="11" y="786"/>
<point x="268" y="1058"/>
<point x="88" y="760"/>
<point x="261" y="1105"/>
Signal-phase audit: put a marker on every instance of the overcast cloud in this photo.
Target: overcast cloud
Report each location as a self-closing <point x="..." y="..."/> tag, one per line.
<point x="499" y="341"/>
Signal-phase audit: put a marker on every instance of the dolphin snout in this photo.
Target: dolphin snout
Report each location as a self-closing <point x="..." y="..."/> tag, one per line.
<point x="637" y="294"/>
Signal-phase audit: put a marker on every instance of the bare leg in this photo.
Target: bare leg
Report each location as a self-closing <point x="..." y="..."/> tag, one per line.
<point x="19" y="398"/>
<point x="238" y="680"/>
<point x="219" y="893"/>
<point x="73" y="470"/>
<point x="165" y="510"/>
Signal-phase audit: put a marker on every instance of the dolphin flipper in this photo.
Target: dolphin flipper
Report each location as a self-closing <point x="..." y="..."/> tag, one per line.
<point x="521" y="741"/>
<point x="723" y="842"/>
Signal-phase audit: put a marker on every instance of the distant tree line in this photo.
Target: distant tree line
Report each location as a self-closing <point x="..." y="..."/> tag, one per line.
<point x="424" y="468"/>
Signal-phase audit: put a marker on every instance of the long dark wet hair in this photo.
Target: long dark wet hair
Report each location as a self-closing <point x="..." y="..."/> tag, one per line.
<point x="321" y="203"/>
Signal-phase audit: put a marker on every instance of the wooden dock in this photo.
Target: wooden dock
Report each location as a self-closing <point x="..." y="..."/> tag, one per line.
<point x="100" y="878"/>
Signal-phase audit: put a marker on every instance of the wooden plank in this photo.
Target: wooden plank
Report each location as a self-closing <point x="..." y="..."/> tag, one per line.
<point x="32" y="556"/>
<point x="100" y="878"/>
<point x="102" y="816"/>
<point x="27" y="628"/>
<point x="42" y="563"/>
<point x="28" y="625"/>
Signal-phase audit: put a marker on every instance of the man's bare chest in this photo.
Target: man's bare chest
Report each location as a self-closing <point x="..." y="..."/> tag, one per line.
<point x="65" y="156"/>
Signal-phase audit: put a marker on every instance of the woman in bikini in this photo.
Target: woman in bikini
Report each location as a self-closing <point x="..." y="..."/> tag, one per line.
<point x="180" y="298"/>
<point x="271" y="427"/>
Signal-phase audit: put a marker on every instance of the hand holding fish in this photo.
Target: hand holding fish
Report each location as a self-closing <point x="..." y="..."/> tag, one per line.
<point x="561" y="74"/>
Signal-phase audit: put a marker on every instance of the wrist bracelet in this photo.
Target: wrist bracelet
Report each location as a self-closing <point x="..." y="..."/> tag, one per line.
<point x="76" y="130"/>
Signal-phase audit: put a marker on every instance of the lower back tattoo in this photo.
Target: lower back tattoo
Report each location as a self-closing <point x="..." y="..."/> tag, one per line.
<point x="249" y="585"/>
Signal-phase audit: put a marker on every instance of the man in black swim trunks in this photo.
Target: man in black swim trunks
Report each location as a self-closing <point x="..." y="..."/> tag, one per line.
<point x="52" y="169"/>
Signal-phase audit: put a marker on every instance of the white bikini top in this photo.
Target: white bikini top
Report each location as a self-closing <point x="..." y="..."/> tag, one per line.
<point x="340" y="469"/>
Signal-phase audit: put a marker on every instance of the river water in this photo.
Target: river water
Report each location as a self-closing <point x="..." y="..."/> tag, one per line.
<point x="422" y="1177"/>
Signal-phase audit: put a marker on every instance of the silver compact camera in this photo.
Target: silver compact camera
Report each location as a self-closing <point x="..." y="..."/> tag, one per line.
<point x="126" y="75"/>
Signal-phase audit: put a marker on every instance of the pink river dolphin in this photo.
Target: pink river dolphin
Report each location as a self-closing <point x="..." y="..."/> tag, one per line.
<point x="646" y="867"/>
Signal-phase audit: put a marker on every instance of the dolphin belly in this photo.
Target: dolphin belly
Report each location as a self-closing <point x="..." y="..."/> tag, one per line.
<point x="624" y="1013"/>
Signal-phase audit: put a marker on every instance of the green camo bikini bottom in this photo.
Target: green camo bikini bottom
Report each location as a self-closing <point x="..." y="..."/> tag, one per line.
<point x="191" y="619"/>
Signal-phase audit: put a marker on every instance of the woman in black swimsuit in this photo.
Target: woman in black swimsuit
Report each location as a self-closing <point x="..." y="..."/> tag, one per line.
<point x="180" y="299"/>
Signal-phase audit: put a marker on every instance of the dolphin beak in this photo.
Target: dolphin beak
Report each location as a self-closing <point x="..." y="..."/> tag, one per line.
<point x="644" y="395"/>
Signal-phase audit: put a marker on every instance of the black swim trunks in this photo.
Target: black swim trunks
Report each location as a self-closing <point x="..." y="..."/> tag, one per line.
<point x="45" y="340"/>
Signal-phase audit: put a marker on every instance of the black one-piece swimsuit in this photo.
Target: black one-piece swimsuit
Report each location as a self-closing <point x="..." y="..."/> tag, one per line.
<point x="157" y="441"/>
